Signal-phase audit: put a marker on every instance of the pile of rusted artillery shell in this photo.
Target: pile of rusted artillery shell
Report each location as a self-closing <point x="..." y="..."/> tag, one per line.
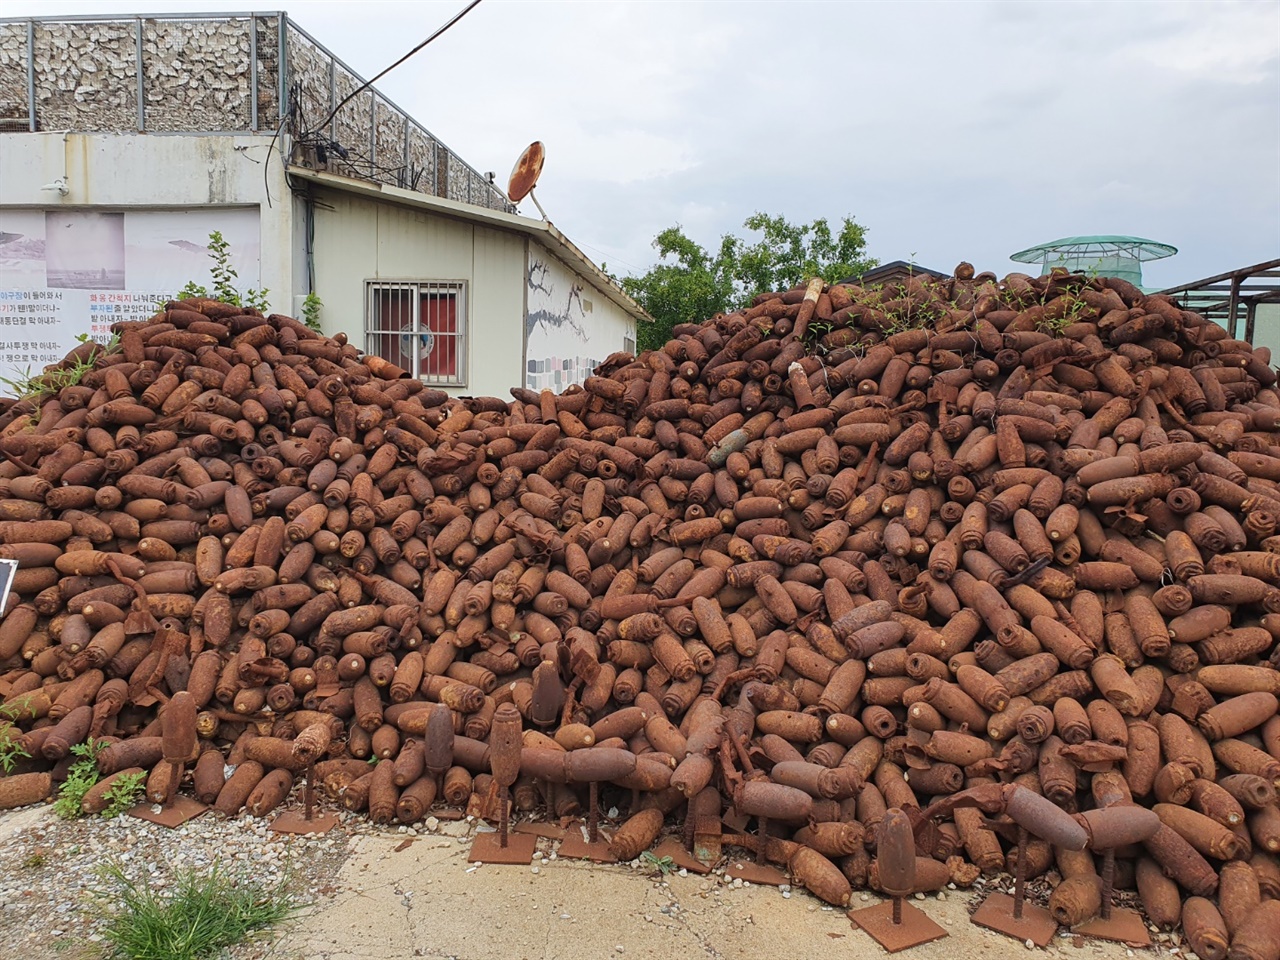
<point x="844" y="551"/>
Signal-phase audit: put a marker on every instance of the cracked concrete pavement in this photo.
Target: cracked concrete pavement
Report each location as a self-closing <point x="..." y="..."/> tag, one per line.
<point x="423" y="899"/>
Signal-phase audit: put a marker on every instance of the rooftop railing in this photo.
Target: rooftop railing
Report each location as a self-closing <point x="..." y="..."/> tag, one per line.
<point x="223" y="73"/>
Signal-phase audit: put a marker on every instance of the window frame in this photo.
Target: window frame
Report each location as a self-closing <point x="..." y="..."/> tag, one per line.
<point x="417" y="289"/>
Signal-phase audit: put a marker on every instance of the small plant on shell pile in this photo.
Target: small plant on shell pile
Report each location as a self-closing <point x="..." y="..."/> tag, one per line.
<point x="81" y="777"/>
<point x="125" y="791"/>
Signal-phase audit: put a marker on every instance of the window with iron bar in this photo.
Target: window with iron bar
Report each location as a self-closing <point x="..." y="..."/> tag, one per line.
<point x="421" y="326"/>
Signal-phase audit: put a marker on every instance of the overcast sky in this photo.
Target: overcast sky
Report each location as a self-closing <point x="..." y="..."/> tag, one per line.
<point x="950" y="130"/>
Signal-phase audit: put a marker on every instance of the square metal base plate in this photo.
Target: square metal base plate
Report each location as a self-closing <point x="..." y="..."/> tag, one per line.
<point x="520" y="848"/>
<point x="175" y="813"/>
<point x="914" y="930"/>
<point x="673" y="848"/>
<point x="575" y="846"/>
<point x="1036" y="923"/>
<point x="1124" y="926"/>
<point x="748" y="871"/>
<point x="292" y="821"/>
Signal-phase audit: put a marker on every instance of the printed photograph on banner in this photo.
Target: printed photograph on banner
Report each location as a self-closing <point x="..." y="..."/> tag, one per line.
<point x="22" y="249"/>
<point x="84" y="250"/>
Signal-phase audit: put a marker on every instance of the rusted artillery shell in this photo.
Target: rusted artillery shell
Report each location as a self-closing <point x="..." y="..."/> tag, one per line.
<point x="505" y="744"/>
<point x="95" y="798"/>
<point x="896" y="854"/>
<point x="772" y="800"/>
<point x="636" y="835"/>
<point x="1259" y="936"/>
<point x="209" y="776"/>
<point x="178" y="728"/>
<point x="1161" y="898"/>
<point x="598" y="764"/>
<point x="1204" y="929"/>
<point x="311" y="742"/>
<point x="269" y="793"/>
<point x="1118" y="826"/>
<point x="1238" y="715"/>
<point x="820" y="876"/>
<point x="1182" y="861"/>
<point x="20" y="789"/>
<point x="1239" y="893"/>
<point x="1044" y="819"/>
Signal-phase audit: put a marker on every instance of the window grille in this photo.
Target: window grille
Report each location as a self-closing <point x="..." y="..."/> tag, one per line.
<point x="420" y="327"/>
<point x="629" y="345"/>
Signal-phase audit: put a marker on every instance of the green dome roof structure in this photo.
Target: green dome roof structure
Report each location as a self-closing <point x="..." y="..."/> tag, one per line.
<point x="1111" y="256"/>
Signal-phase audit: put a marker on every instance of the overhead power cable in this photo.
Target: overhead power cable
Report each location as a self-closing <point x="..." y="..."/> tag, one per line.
<point x="368" y="83"/>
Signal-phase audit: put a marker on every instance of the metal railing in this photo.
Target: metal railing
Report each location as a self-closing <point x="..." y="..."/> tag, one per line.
<point x="222" y="73"/>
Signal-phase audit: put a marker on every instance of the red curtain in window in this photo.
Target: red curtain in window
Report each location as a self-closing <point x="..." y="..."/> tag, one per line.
<point x="395" y="314"/>
<point x="439" y="320"/>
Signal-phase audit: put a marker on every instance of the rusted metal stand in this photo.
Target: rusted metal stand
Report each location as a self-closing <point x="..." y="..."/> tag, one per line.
<point x="290" y="822"/>
<point x="896" y="925"/>
<point x="574" y="847"/>
<point x="1114" y="923"/>
<point x="1012" y="916"/>
<point x="175" y="811"/>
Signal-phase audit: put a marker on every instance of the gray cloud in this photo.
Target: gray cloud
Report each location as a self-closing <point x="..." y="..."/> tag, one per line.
<point x="951" y="131"/>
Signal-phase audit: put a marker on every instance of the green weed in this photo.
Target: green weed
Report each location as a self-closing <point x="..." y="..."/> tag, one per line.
<point x="124" y="792"/>
<point x="202" y="914"/>
<point x="664" y="865"/>
<point x="81" y="777"/>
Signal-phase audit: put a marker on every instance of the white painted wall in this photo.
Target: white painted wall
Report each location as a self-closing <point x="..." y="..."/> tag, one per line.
<point x="358" y="239"/>
<point x="142" y="208"/>
<point x="566" y="322"/>
<point x="570" y="326"/>
<point x="121" y="171"/>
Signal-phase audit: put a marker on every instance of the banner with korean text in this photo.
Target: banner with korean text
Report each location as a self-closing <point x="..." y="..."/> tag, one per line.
<point x="69" y="274"/>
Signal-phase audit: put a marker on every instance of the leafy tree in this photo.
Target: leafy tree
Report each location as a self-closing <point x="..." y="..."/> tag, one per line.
<point x="690" y="284"/>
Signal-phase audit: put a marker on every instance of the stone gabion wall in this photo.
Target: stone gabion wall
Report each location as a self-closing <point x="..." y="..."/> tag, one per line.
<point x="422" y="160"/>
<point x="13" y="71"/>
<point x="197" y="76"/>
<point x="389" y="145"/>
<point x="309" y="76"/>
<point x="86" y="77"/>
<point x="268" y="71"/>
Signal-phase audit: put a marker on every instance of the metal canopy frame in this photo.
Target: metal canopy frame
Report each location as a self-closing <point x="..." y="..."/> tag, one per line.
<point x="1227" y="297"/>
<point x="1136" y="248"/>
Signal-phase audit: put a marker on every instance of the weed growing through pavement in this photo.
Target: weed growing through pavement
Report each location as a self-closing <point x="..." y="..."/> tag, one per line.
<point x="200" y="914"/>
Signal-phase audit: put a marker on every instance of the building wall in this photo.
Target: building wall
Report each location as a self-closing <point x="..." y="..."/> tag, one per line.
<point x="143" y="208"/>
<point x="358" y="239"/>
<point x="570" y="326"/>
<point x="525" y="308"/>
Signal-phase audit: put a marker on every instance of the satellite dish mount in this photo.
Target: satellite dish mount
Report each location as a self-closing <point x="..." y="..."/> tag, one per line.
<point x="524" y="175"/>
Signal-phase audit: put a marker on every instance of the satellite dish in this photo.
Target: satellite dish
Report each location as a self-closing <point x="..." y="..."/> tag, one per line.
<point x="524" y="176"/>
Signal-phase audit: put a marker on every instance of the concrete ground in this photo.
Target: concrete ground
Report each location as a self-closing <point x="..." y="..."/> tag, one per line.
<point x="379" y="894"/>
<point x="430" y="902"/>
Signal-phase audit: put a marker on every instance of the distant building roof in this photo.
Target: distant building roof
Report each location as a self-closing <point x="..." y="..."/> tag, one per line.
<point x="894" y="270"/>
